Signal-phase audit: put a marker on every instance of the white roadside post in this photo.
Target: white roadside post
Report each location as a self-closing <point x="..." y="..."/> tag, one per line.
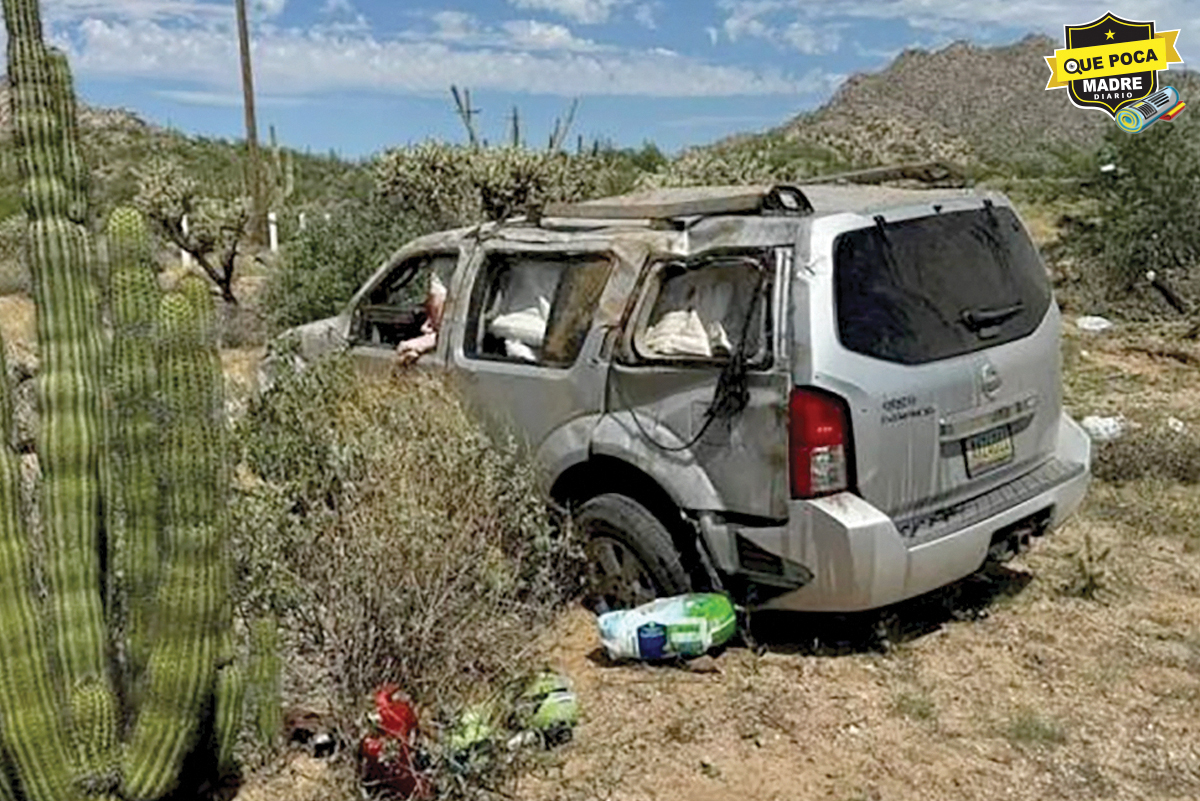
<point x="184" y="256"/>
<point x="273" y="231"/>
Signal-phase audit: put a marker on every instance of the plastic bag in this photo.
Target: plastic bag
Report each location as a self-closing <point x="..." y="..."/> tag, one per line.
<point x="682" y="626"/>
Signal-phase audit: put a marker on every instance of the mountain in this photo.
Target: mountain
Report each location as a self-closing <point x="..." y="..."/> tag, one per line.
<point x="90" y="117"/>
<point x="972" y="105"/>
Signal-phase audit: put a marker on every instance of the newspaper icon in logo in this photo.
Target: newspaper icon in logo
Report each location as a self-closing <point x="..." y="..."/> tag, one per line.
<point x="1164" y="105"/>
<point x="1112" y="64"/>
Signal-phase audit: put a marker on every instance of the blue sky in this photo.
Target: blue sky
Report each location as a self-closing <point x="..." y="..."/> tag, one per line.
<point x="357" y="76"/>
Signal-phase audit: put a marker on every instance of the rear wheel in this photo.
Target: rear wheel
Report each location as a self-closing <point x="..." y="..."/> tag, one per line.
<point x="631" y="557"/>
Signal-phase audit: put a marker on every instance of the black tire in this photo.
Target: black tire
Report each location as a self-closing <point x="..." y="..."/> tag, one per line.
<point x="631" y="557"/>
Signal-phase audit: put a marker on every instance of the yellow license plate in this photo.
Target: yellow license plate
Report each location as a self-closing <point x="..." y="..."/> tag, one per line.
<point x="988" y="450"/>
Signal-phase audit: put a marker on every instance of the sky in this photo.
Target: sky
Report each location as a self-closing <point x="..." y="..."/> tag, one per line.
<point x="358" y="76"/>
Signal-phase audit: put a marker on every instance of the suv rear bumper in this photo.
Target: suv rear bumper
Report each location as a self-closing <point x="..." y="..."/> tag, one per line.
<point x="860" y="559"/>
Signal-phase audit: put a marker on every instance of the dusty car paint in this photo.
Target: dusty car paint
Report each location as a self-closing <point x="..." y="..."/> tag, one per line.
<point x="732" y="483"/>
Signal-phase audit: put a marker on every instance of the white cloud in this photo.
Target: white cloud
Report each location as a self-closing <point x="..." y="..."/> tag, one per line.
<point x="757" y="19"/>
<point x="225" y="99"/>
<point x="533" y="35"/>
<point x="288" y="62"/>
<point x="809" y="39"/>
<point x="585" y="12"/>
<point x="743" y="19"/>
<point x="334" y="7"/>
<point x="453" y="25"/>
<point x="810" y="26"/>
<point x="193" y="10"/>
<point x="644" y="15"/>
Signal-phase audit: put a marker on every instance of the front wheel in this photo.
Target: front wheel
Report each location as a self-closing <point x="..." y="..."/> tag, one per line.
<point x="631" y="557"/>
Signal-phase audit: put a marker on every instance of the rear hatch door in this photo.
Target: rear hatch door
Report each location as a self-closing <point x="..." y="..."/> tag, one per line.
<point x="946" y="346"/>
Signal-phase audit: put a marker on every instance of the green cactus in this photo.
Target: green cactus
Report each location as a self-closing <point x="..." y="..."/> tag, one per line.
<point x="230" y="706"/>
<point x="264" y="679"/>
<point x="191" y="597"/>
<point x="32" y="733"/>
<point x="107" y="685"/>
<point x="281" y="175"/>
<point x="134" y="299"/>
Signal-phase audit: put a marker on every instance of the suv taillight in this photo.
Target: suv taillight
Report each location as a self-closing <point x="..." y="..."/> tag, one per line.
<point x="819" y="450"/>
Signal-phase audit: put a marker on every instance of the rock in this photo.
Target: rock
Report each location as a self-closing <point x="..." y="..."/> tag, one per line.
<point x="1176" y="425"/>
<point x="1092" y="324"/>
<point x="31" y="473"/>
<point x="1105" y="429"/>
<point x="25" y="416"/>
<point x="704" y="664"/>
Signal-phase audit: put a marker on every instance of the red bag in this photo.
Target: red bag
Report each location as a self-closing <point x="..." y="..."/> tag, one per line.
<point x="387" y="754"/>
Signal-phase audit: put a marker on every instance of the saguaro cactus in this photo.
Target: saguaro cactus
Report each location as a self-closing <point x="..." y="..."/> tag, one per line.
<point x="134" y="638"/>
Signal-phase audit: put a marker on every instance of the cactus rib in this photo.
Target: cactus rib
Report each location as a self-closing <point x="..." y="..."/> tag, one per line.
<point x="191" y="598"/>
<point x="134" y="297"/>
<point x="32" y="724"/>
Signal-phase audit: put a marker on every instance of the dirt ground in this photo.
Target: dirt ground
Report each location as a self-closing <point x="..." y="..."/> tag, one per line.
<point x="1073" y="672"/>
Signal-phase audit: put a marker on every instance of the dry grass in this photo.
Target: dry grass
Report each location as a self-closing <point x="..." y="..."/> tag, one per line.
<point x="398" y="543"/>
<point x="18" y="321"/>
<point x="1054" y="692"/>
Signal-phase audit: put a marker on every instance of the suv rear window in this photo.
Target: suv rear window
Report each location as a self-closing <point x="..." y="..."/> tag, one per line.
<point x="930" y="288"/>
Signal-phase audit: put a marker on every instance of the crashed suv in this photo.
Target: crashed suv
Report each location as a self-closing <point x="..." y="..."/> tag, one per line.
<point x="826" y="397"/>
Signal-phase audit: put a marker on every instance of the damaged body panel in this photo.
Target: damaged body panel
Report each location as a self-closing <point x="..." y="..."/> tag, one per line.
<point x="820" y="397"/>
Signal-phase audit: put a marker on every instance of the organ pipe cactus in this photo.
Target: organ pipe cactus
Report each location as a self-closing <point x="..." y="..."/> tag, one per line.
<point x="110" y="683"/>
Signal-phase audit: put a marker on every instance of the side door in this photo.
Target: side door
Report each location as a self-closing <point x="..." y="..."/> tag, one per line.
<point x="525" y="349"/>
<point x="701" y="379"/>
<point x="397" y="308"/>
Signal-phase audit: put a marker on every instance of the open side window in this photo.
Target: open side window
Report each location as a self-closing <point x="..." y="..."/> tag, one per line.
<point x="535" y="308"/>
<point x="397" y="307"/>
<point x="706" y="309"/>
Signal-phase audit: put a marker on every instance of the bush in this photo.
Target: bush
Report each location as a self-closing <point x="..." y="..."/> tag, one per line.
<point x="1154" y="453"/>
<point x="396" y="541"/>
<point x="322" y="267"/>
<point x="449" y="185"/>
<point x="1146" y="207"/>
<point x="705" y="167"/>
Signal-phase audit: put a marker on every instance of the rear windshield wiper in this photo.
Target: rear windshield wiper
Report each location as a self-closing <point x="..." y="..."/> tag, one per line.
<point x="979" y="319"/>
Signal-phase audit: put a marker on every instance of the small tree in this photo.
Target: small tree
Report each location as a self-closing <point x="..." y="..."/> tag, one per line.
<point x="214" y="227"/>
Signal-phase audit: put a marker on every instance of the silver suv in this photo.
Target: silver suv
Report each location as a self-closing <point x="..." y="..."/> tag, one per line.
<point x="818" y="397"/>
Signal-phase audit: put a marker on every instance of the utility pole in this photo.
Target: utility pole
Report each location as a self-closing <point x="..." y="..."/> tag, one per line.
<point x="465" y="112"/>
<point x="258" y="215"/>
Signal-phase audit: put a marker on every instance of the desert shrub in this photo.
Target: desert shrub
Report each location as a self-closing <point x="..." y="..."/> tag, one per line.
<point x="322" y="267"/>
<point x="1156" y="453"/>
<point x="1146" y="206"/>
<point x="395" y="540"/>
<point x="701" y="167"/>
<point x="451" y="185"/>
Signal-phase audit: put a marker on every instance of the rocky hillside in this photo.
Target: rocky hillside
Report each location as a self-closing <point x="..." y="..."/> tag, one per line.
<point x="117" y="141"/>
<point x="89" y="116"/>
<point x="964" y="103"/>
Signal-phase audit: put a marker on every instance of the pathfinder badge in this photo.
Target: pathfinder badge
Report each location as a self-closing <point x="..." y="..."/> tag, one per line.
<point x="1112" y="64"/>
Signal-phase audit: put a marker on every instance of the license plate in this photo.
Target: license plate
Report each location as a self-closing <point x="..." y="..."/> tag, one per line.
<point x="988" y="450"/>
